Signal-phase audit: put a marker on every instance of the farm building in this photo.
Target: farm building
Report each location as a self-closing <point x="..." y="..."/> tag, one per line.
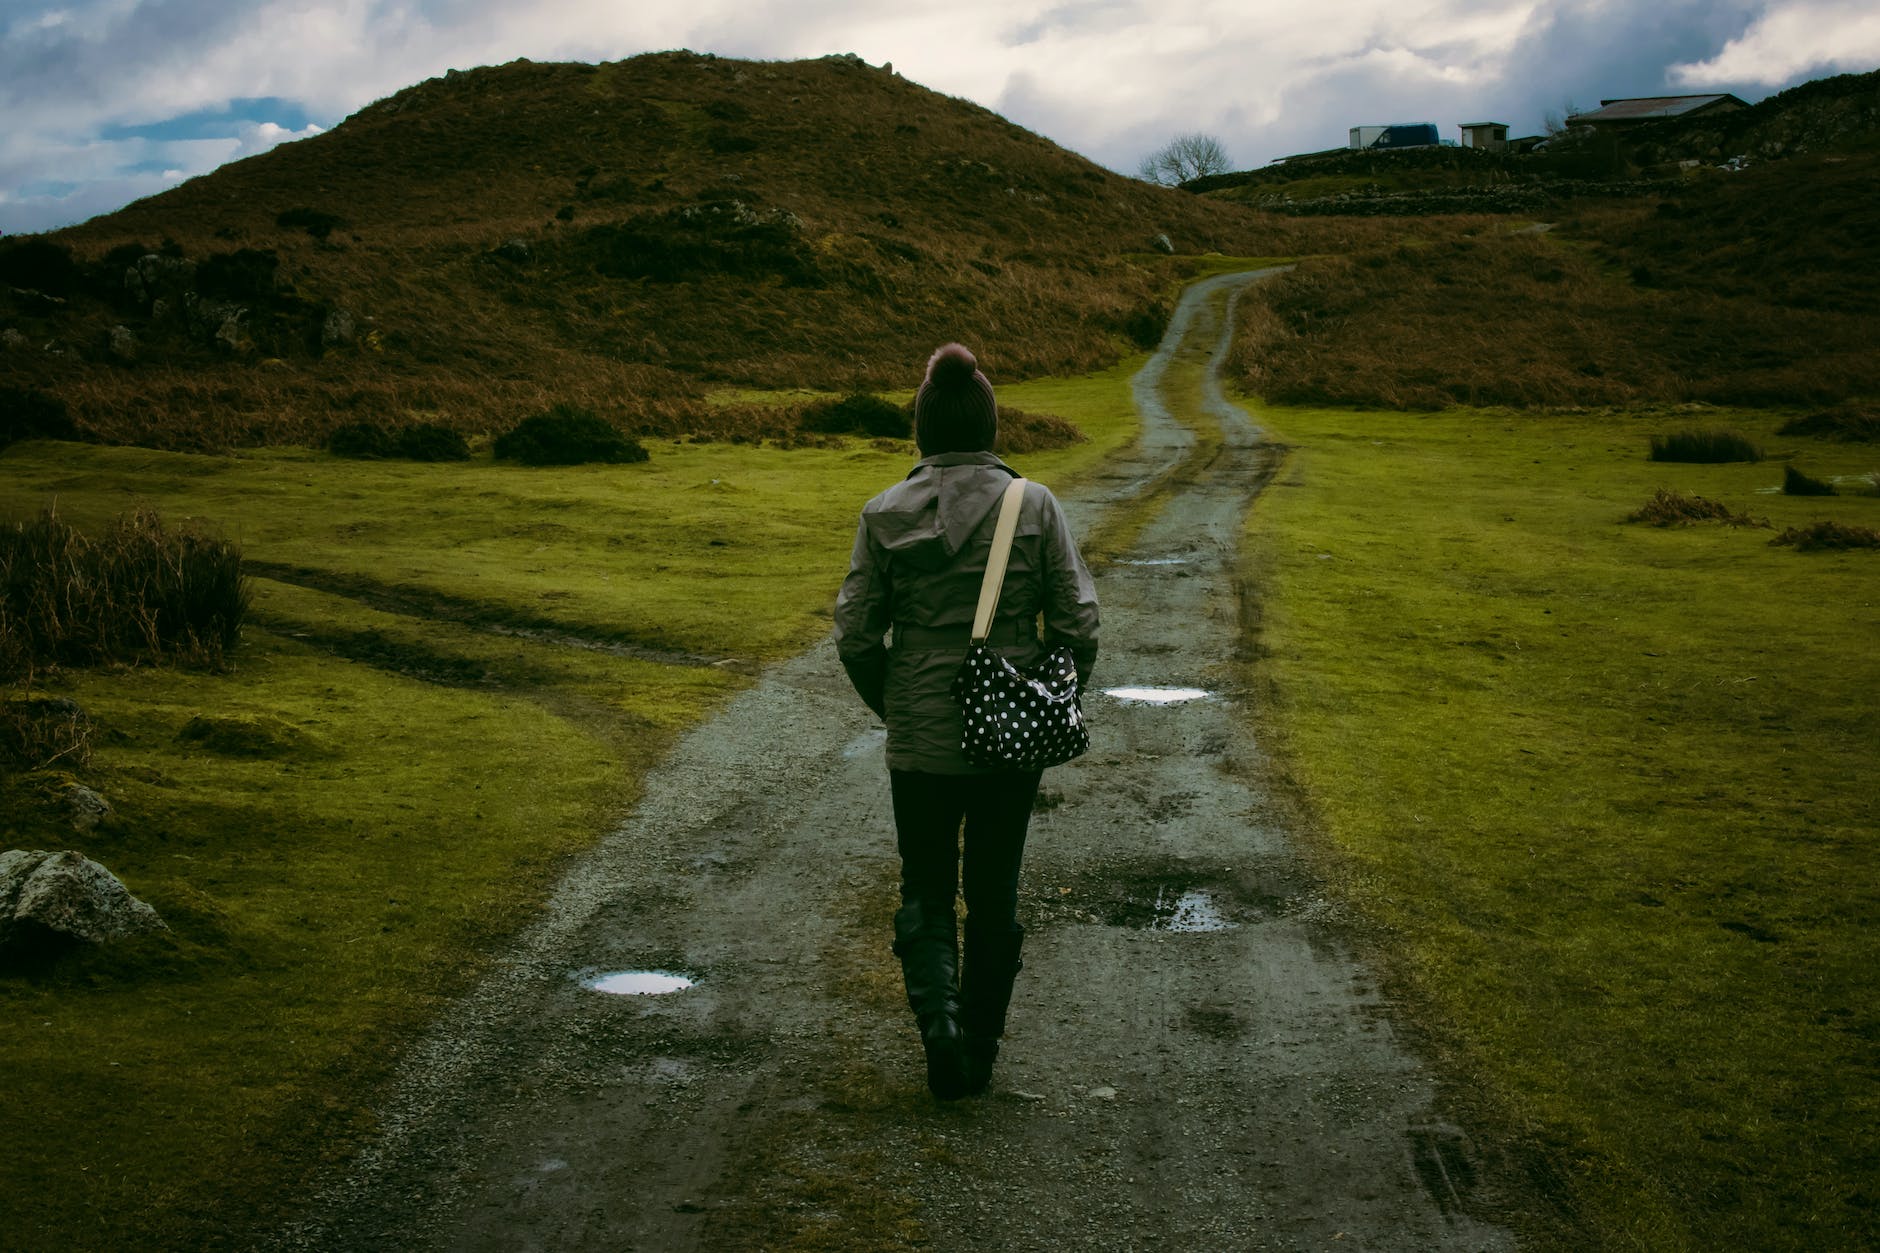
<point x="1631" y="111"/>
<point x="1489" y="136"/>
<point x="1396" y="135"/>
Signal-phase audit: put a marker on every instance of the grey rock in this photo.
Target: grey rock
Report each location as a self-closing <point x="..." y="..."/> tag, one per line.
<point x="85" y="807"/>
<point x="12" y="340"/>
<point x="1162" y="243"/>
<point x="516" y="250"/>
<point x="68" y="894"/>
<point x="153" y="276"/>
<point x="338" y="328"/>
<point x="122" y="343"/>
<point x="230" y="336"/>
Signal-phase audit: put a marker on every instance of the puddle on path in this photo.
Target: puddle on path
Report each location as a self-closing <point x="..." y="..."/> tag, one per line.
<point x="637" y="982"/>
<point x="1156" y="695"/>
<point x="1182" y="908"/>
<point x="1152" y="561"/>
<point x="867" y="741"/>
<point x="1190" y="911"/>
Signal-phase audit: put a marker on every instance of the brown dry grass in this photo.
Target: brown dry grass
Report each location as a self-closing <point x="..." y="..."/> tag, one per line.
<point x="1750" y="291"/>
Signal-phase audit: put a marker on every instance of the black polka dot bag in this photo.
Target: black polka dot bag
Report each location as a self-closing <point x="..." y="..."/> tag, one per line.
<point x="1011" y="717"/>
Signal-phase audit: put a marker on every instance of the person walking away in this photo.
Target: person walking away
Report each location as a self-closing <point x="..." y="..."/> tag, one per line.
<point x="921" y="550"/>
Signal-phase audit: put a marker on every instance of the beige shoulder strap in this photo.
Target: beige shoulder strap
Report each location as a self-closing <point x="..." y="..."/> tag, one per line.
<point x="1002" y="535"/>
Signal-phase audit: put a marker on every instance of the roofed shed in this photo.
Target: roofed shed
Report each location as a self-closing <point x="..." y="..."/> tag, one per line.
<point x="1488" y="136"/>
<point x="1632" y="110"/>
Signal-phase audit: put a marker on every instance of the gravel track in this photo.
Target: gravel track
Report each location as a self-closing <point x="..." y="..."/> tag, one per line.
<point x="1239" y="1086"/>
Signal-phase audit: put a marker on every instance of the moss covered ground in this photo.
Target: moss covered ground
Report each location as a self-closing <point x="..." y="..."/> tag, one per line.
<point x="1608" y="788"/>
<point x="453" y="678"/>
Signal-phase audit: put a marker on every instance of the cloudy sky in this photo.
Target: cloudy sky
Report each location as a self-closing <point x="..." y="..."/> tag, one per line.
<point x="108" y="100"/>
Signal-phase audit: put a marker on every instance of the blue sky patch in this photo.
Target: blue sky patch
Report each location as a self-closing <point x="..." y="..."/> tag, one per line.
<point x="218" y="123"/>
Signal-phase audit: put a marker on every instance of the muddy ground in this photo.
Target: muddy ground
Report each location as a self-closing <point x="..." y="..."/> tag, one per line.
<point x="1198" y="1057"/>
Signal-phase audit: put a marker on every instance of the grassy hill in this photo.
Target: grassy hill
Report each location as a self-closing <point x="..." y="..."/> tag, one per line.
<point x="624" y="236"/>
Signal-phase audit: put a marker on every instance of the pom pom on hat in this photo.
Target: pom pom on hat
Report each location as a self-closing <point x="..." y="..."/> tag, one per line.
<point x="954" y="410"/>
<point x="952" y="363"/>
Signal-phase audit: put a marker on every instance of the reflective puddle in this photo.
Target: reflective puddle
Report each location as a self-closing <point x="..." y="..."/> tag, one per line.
<point x="638" y="982"/>
<point x="866" y="742"/>
<point x="1193" y="910"/>
<point x="1153" y="561"/>
<point x="1156" y="695"/>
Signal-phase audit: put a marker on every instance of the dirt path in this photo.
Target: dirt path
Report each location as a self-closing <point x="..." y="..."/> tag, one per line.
<point x="1236" y="1086"/>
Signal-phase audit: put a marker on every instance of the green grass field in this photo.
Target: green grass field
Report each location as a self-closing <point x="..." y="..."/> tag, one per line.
<point x="1609" y="789"/>
<point x="394" y="791"/>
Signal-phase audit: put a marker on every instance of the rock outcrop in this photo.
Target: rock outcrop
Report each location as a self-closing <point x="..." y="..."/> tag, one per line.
<point x="67" y="894"/>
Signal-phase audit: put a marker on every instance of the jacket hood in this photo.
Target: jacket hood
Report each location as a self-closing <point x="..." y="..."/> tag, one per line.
<point x="927" y="517"/>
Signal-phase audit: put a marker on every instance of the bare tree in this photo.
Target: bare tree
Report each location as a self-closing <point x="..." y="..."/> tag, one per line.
<point x="1184" y="157"/>
<point x="1556" y="121"/>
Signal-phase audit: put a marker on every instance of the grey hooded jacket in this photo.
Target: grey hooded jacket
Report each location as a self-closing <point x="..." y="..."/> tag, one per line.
<point x="920" y="554"/>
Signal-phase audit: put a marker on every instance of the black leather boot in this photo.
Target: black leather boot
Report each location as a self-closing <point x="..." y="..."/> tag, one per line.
<point x="924" y="941"/>
<point x="991" y="964"/>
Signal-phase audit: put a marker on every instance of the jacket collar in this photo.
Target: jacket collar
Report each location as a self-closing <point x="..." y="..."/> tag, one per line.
<point x="944" y="459"/>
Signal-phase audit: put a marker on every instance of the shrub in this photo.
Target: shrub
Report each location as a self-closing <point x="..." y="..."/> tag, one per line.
<point x="1817" y="536"/>
<point x="720" y="236"/>
<point x="315" y="222"/>
<point x="1795" y="483"/>
<point x="369" y="441"/>
<point x="1670" y="508"/>
<point x="1021" y="432"/>
<point x="566" y="435"/>
<point x="1146" y="325"/>
<point x="858" y="414"/>
<point x="364" y="440"/>
<point x="1704" y="447"/>
<point x="1852" y="423"/>
<point x="134" y="593"/>
<point x="245" y="274"/>
<point x="39" y="265"/>
<point x="427" y="441"/>
<point x="28" y="413"/>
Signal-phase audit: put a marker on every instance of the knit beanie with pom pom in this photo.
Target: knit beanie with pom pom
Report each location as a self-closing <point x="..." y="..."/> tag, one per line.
<point x="954" y="409"/>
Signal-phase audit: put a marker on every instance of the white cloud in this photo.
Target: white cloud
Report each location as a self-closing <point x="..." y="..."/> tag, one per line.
<point x="256" y="137"/>
<point x="1789" y="41"/>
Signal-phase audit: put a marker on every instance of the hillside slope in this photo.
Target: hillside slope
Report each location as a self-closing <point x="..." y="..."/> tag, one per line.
<point x="1744" y="289"/>
<point x="621" y="235"/>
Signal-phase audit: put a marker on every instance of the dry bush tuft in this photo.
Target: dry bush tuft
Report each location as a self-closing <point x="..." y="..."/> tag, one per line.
<point x="1672" y="508"/>
<point x="40" y="731"/>
<point x="1825" y="535"/>
<point x="134" y="593"/>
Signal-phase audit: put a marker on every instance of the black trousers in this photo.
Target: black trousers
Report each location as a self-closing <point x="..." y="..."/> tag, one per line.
<point x="936" y="864"/>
